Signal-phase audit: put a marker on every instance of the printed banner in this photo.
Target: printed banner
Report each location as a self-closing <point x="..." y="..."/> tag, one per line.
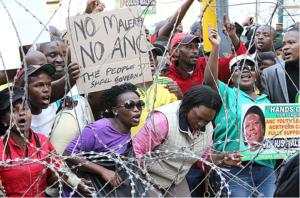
<point x="146" y="8"/>
<point x="271" y="131"/>
<point x="111" y="48"/>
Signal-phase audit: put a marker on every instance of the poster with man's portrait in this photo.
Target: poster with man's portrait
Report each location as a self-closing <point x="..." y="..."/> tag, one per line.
<point x="269" y="131"/>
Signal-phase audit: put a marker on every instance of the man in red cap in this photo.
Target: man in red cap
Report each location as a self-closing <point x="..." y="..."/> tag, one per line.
<point x="188" y="69"/>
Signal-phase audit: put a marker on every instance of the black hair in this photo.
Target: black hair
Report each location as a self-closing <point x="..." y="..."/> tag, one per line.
<point x="161" y="38"/>
<point x="3" y="130"/>
<point x="251" y="31"/>
<point x="111" y="97"/>
<point x="2" y="127"/>
<point x="250" y="46"/>
<point x="200" y="95"/>
<point x="261" y="57"/>
<point x="43" y="46"/>
<point x="254" y="110"/>
<point x="272" y="32"/>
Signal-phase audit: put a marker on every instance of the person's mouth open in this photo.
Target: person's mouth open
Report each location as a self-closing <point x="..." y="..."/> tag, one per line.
<point x="21" y="123"/>
<point x="194" y="58"/>
<point x="260" y="43"/>
<point x="152" y="67"/>
<point x="245" y="77"/>
<point x="59" y="68"/>
<point x="46" y="99"/>
<point x="287" y="55"/>
<point x="136" y="118"/>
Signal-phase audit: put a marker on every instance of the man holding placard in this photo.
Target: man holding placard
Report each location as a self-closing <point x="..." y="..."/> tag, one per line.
<point x="111" y="48"/>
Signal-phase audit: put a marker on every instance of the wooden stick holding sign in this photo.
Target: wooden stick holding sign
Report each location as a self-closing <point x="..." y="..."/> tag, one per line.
<point x="111" y="48"/>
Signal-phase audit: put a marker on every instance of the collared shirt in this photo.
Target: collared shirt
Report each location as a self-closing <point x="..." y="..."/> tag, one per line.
<point x="148" y="138"/>
<point x="22" y="180"/>
<point x="228" y="122"/>
<point x="185" y="80"/>
<point x="182" y="73"/>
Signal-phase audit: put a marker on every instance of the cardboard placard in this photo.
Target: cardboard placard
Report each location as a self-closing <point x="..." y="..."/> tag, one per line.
<point x="27" y="15"/>
<point x="278" y="131"/>
<point x="111" y="48"/>
<point x="9" y="45"/>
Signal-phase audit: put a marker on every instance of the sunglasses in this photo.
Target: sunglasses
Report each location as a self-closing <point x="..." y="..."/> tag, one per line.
<point x="130" y="104"/>
<point x="242" y="67"/>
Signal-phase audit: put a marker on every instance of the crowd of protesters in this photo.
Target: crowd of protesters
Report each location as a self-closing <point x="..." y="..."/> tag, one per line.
<point x="176" y="129"/>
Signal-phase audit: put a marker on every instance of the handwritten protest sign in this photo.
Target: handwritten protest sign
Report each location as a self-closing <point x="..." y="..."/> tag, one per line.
<point x="272" y="130"/>
<point x="111" y="48"/>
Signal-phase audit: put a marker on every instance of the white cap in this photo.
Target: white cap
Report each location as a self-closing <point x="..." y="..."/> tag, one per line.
<point x="239" y="59"/>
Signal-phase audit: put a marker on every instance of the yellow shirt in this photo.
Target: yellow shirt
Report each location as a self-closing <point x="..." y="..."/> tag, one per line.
<point x="163" y="97"/>
<point x="4" y="86"/>
<point x="257" y="91"/>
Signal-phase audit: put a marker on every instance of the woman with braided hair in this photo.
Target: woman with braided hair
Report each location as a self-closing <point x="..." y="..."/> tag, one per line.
<point x="109" y="138"/>
<point x="22" y="151"/>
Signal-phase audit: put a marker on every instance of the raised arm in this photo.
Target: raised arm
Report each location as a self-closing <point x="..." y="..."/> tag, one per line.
<point x="10" y="74"/>
<point x="59" y="85"/>
<point x="94" y="6"/>
<point x="230" y="30"/>
<point x="212" y="69"/>
<point x="167" y="28"/>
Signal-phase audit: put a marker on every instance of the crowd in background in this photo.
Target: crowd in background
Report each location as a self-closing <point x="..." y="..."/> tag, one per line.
<point x="56" y="141"/>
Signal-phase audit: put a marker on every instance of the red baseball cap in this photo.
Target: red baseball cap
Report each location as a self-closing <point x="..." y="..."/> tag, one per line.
<point x="184" y="39"/>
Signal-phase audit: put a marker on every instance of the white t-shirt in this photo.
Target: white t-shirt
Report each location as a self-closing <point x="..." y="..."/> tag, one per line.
<point x="43" y="122"/>
<point x="74" y="92"/>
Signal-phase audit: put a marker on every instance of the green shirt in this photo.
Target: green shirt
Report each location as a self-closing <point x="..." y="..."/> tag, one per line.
<point x="226" y="125"/>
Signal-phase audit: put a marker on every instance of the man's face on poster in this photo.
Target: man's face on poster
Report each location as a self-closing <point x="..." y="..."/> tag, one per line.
<point x="253" y="129"/>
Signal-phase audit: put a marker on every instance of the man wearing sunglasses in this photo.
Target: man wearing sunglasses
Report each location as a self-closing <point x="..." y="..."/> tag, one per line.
<point x="164" y="92"/>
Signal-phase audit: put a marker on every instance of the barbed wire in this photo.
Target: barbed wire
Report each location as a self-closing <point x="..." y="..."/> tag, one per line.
<point x="122" y="161"/>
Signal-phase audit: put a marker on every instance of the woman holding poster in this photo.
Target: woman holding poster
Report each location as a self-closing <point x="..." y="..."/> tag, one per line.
<point x="254" y="128"/>
<point x="258" y="177"/>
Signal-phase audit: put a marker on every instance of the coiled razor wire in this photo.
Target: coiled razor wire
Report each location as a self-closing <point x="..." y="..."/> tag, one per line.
<point x="122" y="161"/>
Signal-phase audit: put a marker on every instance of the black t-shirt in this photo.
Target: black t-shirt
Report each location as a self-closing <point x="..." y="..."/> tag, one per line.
<point x="293" y="72"/>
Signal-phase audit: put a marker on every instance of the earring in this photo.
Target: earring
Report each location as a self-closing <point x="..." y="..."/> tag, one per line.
<point x="116" y="114"/>
<point x="5" y="124"/>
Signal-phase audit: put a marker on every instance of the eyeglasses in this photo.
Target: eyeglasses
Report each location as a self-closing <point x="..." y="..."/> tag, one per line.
<point x="130" y="104"/>
<point x="240" y="67"/>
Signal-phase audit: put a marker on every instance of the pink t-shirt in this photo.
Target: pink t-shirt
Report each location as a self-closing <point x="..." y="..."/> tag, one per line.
<point x="147" y="139"/>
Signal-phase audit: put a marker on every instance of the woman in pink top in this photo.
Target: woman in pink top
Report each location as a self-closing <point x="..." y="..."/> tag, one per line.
<point x="181" y="136"/>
